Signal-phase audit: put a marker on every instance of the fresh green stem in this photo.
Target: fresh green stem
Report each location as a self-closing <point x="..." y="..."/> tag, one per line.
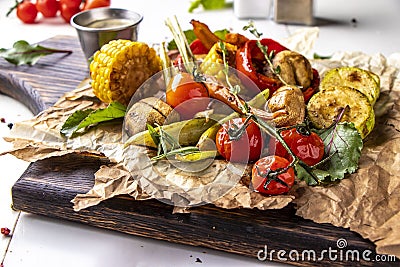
<point x="269" y="129"/>
<point x="178" y="151"/>
<point x="264" y="49"/>
<point x="181" y="43"/>
<point x="45" y="50"/>
<point x="234" y="89"/>
<point x="14" y="7"/>
<point x="166" y="64"/>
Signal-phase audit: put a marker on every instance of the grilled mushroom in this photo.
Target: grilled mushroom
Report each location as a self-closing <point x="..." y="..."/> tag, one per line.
<point x="295" y="69"/>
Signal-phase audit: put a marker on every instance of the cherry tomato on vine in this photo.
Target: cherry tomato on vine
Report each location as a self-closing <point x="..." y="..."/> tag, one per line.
<point x="187" y="96"/>
<point x="48" y="8"/>
<point x="306" y="145"/>
<point x="246" y="149"/>
<point x="27" y="12"/>
<point x="276" y="185"/>
<point x="71" y="3"/>
<point x="90" y="4"/>
<point x="67" y="12"/>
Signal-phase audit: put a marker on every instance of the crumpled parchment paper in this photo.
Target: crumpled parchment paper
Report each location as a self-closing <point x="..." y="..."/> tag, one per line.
<point x="367" y="202"/>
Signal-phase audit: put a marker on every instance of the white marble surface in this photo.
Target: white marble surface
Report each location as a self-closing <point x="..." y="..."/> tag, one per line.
<point x="357" y="25"/>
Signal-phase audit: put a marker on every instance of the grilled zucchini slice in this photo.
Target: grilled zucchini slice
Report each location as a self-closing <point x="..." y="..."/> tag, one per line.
<point x="364" y="81"/>
<point x="325" y="106"/>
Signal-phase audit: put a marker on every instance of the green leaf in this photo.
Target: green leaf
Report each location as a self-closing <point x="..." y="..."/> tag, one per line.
<point x="207" y="4"/>
<point x="73" y="121"/>
<point x="304" y="175"/>
<point x="343" y="143"/>
<point x="221" y="34"/>
<point x="87" y="118"/>
<point x="343" y="146"/>
<point x="316" y="56"/>
<point x="154" y="134"/>
<point x="24" y="53"/>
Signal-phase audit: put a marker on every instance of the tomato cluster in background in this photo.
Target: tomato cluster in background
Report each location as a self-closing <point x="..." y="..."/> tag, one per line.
<point x="27" y="11"/>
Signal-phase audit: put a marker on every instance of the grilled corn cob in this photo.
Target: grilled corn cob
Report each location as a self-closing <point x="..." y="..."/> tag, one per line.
<point x="120" y="67"/>
<point x="213" y="63"/>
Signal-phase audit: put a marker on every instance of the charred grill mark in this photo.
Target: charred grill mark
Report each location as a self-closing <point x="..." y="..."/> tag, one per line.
<point x="354" y="77"/>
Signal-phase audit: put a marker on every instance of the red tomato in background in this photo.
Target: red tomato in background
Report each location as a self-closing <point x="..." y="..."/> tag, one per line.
<point x="71" y="3"/>
<point x="182" y="88"/>
<point x="27" y="12"/>
<point x="68" y="12"/>
<point x="247" y="149"/>
<point x="260" y="181"/>
<point x="48" y="8"/>
<point x="306" y="145"/>
<point x="89" y="4"/>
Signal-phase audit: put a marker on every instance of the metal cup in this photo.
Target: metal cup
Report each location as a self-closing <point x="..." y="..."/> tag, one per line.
<point x="98" y="26"/>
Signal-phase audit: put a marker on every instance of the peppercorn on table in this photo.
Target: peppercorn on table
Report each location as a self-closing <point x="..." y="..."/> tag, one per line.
<point x="40" y="241"/>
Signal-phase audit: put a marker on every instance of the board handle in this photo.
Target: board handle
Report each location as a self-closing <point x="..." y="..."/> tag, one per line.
<point x="21" y="91"/>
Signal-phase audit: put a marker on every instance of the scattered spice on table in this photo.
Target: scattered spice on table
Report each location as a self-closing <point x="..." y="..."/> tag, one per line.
<point x="10" y="125"/>
<point x="354" y="22"/>
<point x="2" y="120"/>
<point x="5" y="231"/>
<point x="198" y="260"/>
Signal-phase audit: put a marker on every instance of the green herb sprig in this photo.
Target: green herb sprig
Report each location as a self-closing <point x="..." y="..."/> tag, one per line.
<point x="24" y="53"/>
<point x="167" y="144"/>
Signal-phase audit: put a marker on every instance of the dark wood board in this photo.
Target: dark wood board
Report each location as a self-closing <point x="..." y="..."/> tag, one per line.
<point x="47" y="186"/>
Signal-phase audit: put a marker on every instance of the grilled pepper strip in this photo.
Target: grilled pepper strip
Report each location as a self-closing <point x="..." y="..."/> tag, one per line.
<point x="249" y="56"/>
<point x="310" y="91"/>
<point x="204" y="34"/>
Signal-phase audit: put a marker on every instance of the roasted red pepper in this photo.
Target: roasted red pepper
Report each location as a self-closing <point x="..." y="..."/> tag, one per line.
<point x="198" y="48"/>
<point x="310" y="91"/>
<point x="251" y="61"/>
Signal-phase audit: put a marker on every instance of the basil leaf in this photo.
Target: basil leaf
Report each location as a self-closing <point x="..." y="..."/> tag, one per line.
<point x="24" y="53"/>
<point x="87" y="118"/>
<point x="71" y="124"/>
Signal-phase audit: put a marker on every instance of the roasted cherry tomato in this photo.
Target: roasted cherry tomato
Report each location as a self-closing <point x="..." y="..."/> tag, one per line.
<point x="187" y="96"/>
<point x="251" y="62"/>
<point x="90" y="4"/>
<point x="48" y="8"/>
<point x="68" y="12"/>
<point x="71" y="3"/>
<point x="306" y="145"/>
<point x="27" y="12"/>
<point x="273" y="185"/>
<point x="247" y="148"/>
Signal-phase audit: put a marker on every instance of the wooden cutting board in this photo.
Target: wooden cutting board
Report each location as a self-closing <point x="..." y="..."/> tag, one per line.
<point x="47" y="186"/>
